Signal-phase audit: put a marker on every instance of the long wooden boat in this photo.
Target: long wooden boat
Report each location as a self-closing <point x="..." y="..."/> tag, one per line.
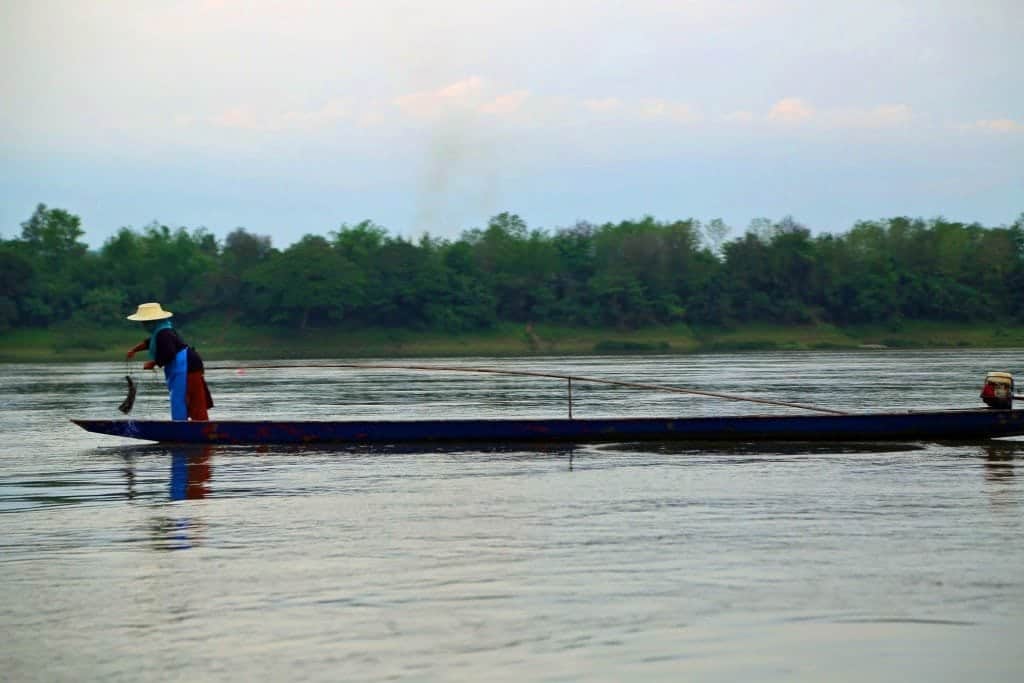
<point x="909" y="425"/>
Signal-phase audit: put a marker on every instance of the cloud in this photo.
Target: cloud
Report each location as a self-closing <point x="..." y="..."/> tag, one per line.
<point x="876" y="117"/>
<point x="605" y="104"/>
<point x="640" y="111"/>
<point x="790" y="110"/>
<point x="249" y="119"/>
<point x="480" y="101"/>
<point x="739" y="117"/>
<point x="431" y="104"/>
<point x="999" y="125"/>
<point x="469" y="95"/>
<point x="672" y="111"/>
<point x="505" y="104"/>
<point x="796" y="111"/>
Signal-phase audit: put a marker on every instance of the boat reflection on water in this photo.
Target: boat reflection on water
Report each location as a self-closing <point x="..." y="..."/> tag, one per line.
<point x="763" y="449"/>
<point x="999" y="457"/>
<point x="1001" y="486"/>
<point x="191" y="466"/>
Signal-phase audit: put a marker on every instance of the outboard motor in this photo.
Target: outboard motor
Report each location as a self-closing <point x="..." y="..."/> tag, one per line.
<point x="998" y="390"/>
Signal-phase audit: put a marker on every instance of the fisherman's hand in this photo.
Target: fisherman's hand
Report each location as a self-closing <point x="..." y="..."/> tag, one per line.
<point x="149" y="365"/>
<point x="130" y="354"/>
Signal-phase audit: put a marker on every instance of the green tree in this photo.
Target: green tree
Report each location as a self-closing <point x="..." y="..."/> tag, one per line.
<point x="242" y="253"/>
<point x="17" y="281"/>
<point x="175" y="267"/>
<point x="468" y="302"/>
<point x="51" y="241"/>
<point x="518" y="266"/>
<point x="308" y="283"/>
<point x="575" y="266"/>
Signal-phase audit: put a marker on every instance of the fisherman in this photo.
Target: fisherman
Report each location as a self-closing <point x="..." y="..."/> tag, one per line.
<point x="183" y="367"/>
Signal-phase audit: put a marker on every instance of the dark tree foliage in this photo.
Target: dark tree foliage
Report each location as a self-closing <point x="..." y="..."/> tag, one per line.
<point x="59" y="265"/>
<point x="628" y="274"/>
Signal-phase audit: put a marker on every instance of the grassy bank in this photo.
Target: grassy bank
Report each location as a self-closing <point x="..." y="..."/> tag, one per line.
<point x="223" y="341"/>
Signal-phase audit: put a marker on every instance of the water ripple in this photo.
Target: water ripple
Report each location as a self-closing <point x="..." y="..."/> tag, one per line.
<point x="620" y="561"/>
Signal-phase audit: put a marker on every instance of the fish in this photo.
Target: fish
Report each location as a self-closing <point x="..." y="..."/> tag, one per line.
<point x="129" y="401"/>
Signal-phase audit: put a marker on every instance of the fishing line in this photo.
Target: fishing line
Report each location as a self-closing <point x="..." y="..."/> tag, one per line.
<point x="528" y="373"/>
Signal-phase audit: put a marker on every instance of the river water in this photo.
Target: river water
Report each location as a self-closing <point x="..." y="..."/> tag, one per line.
<point x="719" y="562"/>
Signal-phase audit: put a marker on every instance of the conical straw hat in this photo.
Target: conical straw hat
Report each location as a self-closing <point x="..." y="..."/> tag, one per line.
<point x="150" y="311"/>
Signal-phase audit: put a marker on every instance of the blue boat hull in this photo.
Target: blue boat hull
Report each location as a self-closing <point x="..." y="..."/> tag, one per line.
<point x="923" y="425"/>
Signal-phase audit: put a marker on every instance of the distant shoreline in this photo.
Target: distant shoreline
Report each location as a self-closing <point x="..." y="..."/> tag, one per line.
<point x="216" y="340"/>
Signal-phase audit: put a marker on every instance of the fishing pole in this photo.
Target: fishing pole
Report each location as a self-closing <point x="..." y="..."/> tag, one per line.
<point x="531" y="373"/>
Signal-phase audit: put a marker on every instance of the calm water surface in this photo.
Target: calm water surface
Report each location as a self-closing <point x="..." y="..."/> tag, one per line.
<point x="834" y="562"/>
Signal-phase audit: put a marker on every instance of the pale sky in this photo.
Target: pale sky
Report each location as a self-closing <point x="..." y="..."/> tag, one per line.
<point x="293" y="117"/>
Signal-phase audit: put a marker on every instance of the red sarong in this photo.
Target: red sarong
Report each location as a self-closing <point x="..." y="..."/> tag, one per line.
<point x="197" y="397"/>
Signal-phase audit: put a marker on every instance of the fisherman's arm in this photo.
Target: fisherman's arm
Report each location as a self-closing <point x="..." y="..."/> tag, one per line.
<point x="142" y="345"/>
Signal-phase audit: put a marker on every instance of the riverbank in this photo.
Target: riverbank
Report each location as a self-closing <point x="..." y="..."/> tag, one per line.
<point x="222" y="341"/>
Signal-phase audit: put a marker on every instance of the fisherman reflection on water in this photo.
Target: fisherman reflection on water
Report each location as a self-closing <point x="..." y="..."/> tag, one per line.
<point x="191" y="470"/>
<point x="178" y="526"/>
<point x="190" y="476"/>
<point x="190" y="473"/>
<point x="182" y="365"/>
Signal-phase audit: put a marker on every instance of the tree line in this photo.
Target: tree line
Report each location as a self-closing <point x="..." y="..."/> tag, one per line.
<point x="625" y="275"/>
